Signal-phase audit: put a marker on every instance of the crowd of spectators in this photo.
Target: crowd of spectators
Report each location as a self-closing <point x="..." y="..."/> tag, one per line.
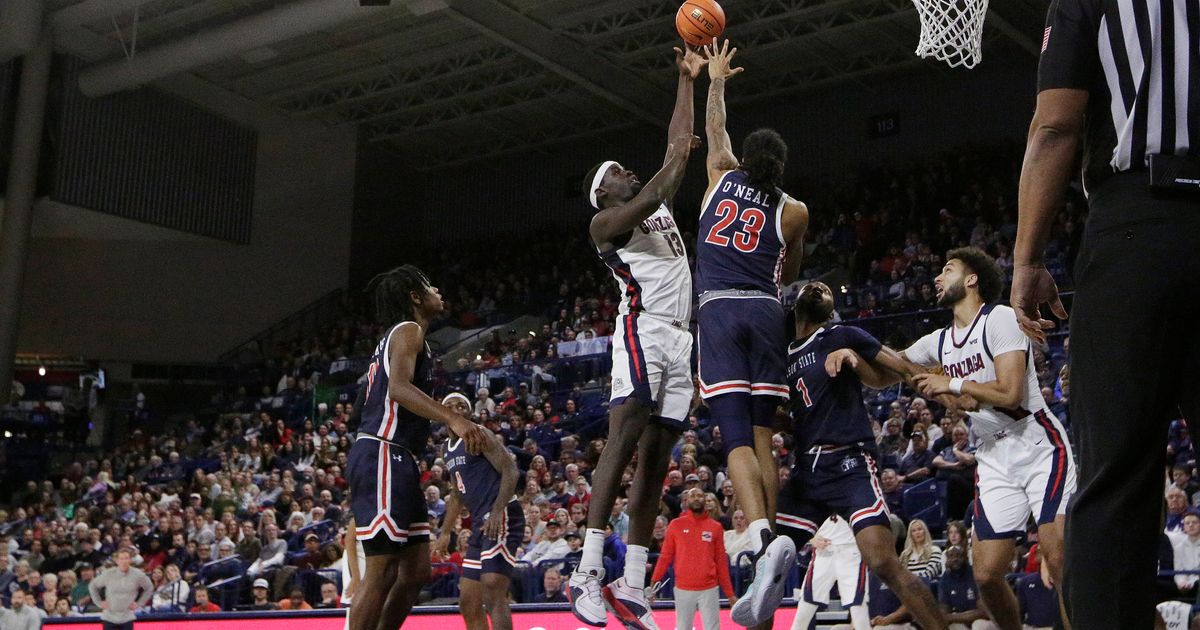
<point x="256" y="495"/>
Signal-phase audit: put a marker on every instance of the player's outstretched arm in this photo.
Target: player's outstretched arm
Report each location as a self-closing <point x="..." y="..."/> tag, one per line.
<point x="720" y="148"/>
<point x="407" y="341"/>
<point x="1006" y="391"/>
<point x="610" y="222"/>
<point x="502" y="461"/>
<point x="870" y="374"/>
<point x="688" y="62"/>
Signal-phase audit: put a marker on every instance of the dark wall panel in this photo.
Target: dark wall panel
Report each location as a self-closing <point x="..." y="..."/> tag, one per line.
<point x="151" y="157"/>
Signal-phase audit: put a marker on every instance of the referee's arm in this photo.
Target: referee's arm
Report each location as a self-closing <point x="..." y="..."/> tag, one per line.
<point x="1065" y="72"/>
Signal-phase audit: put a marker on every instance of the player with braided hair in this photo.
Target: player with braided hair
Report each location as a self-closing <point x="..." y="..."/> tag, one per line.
<point x="389" y="508"/>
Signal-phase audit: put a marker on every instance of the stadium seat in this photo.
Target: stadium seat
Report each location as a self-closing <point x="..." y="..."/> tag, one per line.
<point x="926" y="501"/>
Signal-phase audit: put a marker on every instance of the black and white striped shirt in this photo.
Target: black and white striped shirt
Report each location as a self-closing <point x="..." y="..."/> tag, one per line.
<point x="1139" y="61"/>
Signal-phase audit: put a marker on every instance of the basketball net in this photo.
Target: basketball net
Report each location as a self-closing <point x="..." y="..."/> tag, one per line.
<point x="952" y="30"/>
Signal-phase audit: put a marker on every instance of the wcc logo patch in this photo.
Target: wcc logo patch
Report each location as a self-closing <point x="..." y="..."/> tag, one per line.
<point x="849" y="464"/>
<point x="706" y="536"/>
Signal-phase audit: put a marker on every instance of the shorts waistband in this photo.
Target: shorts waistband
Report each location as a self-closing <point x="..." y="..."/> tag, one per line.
<point x="709" y="296"/>
<point x="827" y="450"/>
<point x="674" y="323"/>
<point x="368" y="436"/>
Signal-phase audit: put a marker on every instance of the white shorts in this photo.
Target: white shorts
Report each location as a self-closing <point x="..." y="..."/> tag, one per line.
<point x="652" y="362"/>
<point x="841" y="563"/>
<point x="1028" y="470"/>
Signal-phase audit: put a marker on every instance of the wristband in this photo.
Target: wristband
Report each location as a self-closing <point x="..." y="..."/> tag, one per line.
<point x="956" y="386"/>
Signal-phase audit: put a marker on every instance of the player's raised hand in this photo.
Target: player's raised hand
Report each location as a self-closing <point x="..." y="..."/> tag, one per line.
<point x="839" y="359"/>
<point x="689" y="61"/>
<point x="1033" y="286"/>
<point x="719" y="60"/>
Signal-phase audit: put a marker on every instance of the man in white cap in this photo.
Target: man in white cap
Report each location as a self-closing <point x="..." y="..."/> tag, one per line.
<point x="262" y="600"/>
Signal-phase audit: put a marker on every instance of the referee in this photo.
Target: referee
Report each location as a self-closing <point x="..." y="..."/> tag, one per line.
<point x="1121" y="80"/>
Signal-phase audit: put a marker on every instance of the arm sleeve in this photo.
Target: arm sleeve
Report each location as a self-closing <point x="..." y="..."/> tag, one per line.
<point x="146" y="589"/>
<point x="859" y="341"/>
<point x="1070" y="54"/>
<point x="1003" y="334"/>
<point x="925" y="350"/>
<point x="722" y="562"/>
<point x="94" y="588"/>
<point x="665" y="557"/>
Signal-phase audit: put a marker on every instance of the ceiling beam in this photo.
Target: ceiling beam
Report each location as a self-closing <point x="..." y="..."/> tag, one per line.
<point x="994" y="19"/>
<point x="566" y="57"/>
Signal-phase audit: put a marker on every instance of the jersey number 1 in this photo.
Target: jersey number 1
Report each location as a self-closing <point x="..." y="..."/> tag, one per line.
<point x="803" y="392"/>
<point x="744" y="240"/>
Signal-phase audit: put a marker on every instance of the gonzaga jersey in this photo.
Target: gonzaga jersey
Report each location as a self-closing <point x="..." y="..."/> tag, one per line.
<point x="651" y="268"/>
<point x="740" y="244"/>
<point x="970" y="354"/>
<point x="476" y="479"/>
<point x="384" y="417"/>
<point x="829" y="411"/>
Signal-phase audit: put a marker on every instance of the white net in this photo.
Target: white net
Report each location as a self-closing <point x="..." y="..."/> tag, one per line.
<point x="952" y="30"/>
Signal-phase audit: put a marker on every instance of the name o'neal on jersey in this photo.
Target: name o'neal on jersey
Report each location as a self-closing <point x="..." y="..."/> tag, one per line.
<point x="965" y="368"/>
<point x="657" y="224"/>
<point x="747" y="193"/>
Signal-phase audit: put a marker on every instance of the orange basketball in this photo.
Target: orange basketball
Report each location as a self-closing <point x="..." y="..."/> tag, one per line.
<point x="699" y="22"/>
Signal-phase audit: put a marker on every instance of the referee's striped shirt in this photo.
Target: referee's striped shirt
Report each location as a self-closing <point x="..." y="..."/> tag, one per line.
<point x="1139" y="61"/>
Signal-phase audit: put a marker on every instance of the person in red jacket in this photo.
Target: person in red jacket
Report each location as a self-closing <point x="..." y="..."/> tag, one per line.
<point x="700" y="564"/>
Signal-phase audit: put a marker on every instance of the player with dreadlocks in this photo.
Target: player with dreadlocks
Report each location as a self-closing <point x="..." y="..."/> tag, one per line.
<point x="386" y="499"/>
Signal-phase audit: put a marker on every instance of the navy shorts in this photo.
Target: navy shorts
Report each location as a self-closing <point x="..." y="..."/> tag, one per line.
<point x="385" y="496"/>
<point x="743" y="345"/>
<point x="844" y="482"/>
<point x="485" y="555"/>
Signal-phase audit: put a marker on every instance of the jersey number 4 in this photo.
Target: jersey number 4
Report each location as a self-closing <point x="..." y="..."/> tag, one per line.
<point x="744" y="239"/>
<point x="462" y="488"/>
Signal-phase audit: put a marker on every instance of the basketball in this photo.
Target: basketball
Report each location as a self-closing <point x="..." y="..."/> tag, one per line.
<point x="699" y="22"/>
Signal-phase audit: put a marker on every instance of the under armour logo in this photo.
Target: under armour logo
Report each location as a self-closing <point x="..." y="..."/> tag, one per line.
<point x="999" y="435"/>
<point x="618" y="383"/>
<point x="398" y="458"/>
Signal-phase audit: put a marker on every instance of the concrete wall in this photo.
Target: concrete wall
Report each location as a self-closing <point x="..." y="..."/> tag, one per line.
<point x="103" y="287"/>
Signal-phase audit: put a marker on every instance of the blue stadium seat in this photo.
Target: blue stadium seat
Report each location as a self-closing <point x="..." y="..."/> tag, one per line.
<point x="926" y="501"/>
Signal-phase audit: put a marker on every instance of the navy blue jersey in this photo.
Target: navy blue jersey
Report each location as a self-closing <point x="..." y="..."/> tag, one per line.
<point x="384" y="417"/>
<point x="829" y="411"/>
<point x="739" y="243"/>
<point x="1039" y="605"/>
<point x="476" y="479"/>
<point x="881" y="601"/>
<point x="958" y="591"/>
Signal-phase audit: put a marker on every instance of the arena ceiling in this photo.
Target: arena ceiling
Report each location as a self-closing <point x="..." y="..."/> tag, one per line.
<point x="445" y="82"/>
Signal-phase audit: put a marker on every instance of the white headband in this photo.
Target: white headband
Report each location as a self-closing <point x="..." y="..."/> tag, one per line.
<point x="596" y="182"/>
<point x="456" y="395"/>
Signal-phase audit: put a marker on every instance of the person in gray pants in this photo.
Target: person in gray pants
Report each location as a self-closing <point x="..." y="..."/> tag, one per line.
<point x="119" y="591"/>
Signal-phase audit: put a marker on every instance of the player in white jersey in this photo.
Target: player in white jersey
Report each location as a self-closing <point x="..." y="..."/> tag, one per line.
<point x="835" y="558"/>
<point x="1172" y="615"/>
<point x="634" y="233"/>
<point x="1025" y="462"/>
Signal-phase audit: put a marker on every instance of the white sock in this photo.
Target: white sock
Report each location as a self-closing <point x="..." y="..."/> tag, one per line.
<point x="756" y="528"/>
<point x="860" y="619"/>
<point x="804" y="615"/>
<point x="635" y="565"/>
<point x="593" y="551"/>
